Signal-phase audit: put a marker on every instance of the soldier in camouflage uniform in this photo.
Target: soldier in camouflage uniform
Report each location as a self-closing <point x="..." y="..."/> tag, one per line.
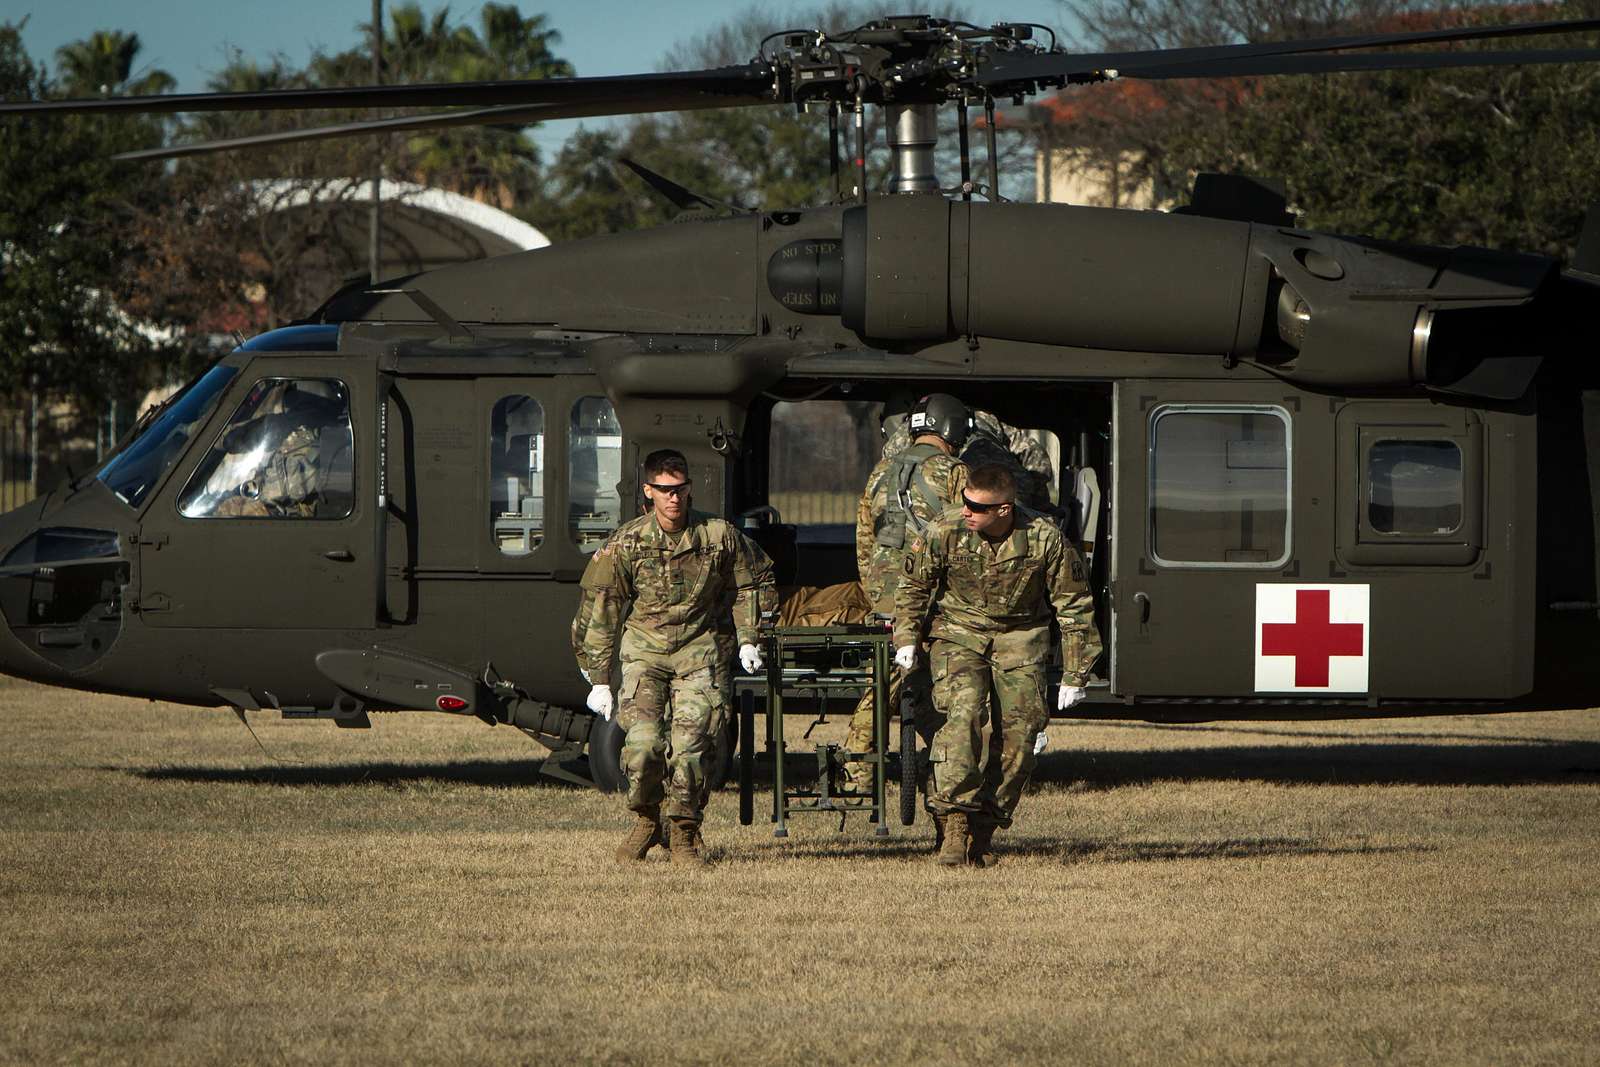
<point x="991" y="575"/>
<point x="675" y="568"/>
<point x="904" y="492"/>
<point x="274" y="464"/>
<point x="287" y="484"/>
<point x="993" y="441"/>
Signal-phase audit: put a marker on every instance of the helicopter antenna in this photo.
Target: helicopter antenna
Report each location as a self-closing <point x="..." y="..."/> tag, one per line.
<point x="276" y="759"/>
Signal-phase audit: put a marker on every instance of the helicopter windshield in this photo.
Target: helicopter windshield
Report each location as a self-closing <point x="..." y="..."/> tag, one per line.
<point x="134" y="471"/>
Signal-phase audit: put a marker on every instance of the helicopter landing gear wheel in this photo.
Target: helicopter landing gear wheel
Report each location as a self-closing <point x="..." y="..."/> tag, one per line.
<point x="605" y="755"/>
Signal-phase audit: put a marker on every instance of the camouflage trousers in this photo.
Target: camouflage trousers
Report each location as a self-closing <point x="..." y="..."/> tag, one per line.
<point x="971" y="773"/>
<point x="673" y="722"/>
<point x="859" y="737"/>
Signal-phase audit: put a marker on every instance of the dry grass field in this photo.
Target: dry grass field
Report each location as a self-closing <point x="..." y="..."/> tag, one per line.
<point x="1406" y="892"/>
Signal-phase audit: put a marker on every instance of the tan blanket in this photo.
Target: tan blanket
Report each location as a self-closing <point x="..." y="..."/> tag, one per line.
<point x="823" y="605"/>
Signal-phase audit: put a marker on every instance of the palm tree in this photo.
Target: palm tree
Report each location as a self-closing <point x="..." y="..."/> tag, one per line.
<point x="102" y="65"/>
<point x="495" y="164"/>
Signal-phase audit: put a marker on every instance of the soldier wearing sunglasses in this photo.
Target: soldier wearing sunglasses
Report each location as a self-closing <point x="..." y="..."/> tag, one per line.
<point x="991" y="578"/>
<point x="671" y="572"/>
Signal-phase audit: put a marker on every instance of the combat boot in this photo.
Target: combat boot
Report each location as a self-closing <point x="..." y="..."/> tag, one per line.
<point x="957" y="840"/>
<point x="686" y="842"/>
<point x="981" y="852"/>
<point x="645" y="835"/>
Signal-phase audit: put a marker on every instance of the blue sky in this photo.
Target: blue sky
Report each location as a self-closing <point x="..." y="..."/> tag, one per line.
<point x="192" y="38"/>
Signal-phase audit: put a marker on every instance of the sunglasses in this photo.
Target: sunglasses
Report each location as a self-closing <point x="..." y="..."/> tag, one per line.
<point x="972" y="505"/>
<point x="676" y="489"/>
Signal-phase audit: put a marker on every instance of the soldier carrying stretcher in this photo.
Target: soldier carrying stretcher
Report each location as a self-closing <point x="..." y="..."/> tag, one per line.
<point x="990" y="576"/>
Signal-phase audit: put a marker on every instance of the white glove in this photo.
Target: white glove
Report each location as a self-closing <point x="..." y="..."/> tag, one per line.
<point x="600" y="701"/>
<point x="905" y="658"/>
<point x="585" y="675"/>
<point x="750" y="658"/>
<point x="1070" y="695"/>
<point x="1039" y="743"/>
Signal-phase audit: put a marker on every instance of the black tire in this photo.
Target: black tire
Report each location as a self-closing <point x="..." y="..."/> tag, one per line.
<point x="605" y="756"/>
<point x="908" y="772"/>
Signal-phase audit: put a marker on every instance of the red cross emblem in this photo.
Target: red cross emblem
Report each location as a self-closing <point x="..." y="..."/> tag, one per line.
<point x="1311" y="639"/>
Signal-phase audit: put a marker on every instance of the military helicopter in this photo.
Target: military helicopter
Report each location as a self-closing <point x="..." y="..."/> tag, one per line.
<point x="1326" y="476"/>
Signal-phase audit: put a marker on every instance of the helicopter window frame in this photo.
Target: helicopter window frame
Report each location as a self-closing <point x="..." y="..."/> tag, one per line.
<point x="530" y="519"/>
<point x="1152" y="441"/>
<point x="195" y="486"/>
<point x="605" y="492"/>
<point x="1371" y="483"/>
<point x="126" y="473"/>
<point x="1366" y="423"/>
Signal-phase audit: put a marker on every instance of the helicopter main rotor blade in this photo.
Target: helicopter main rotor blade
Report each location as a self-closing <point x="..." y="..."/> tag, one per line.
<point x="750" y="83"/>
<point x="1363" y="61"/>
<point x="1039" y="66"/>
<point x="519" y="115"/>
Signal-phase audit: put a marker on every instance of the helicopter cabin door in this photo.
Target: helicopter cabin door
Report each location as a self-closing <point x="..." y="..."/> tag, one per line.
<point x="1276" y="545"/>
<point x="551" y="459"/>
<point x="268" y="521"/>
<point x="1201" y="510"/>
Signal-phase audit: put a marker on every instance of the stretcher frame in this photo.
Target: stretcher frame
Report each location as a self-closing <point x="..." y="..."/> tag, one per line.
<point x="817" y="661"/>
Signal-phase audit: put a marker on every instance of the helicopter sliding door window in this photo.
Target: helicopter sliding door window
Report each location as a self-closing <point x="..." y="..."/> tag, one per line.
<point x="1219" y="486"/>
<point x="516" y="474"/>
<point x="594" y="509"/>
<point x="1418" y="484"/>
<point x="287" y="452"/>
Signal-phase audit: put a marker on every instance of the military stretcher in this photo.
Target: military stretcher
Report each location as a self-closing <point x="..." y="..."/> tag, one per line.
<point x="822" y="662"/>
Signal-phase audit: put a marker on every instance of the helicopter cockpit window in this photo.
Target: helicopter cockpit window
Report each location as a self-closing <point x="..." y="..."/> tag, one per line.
<point x="288" y="452"/>
<point x="1414" y="487"/>
<point x="594" y="444"/>
<point x="135" y="470"/>
<point x="1219" y="486"/>
<point x="516" y="474"/>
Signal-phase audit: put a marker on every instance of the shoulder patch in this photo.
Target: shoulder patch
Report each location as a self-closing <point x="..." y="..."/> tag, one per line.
<point x="1077" y="569"/>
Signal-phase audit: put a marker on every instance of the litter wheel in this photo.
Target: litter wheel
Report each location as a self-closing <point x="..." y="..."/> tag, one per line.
<point x="908" y="772"/>
<point x="605" y="755"/>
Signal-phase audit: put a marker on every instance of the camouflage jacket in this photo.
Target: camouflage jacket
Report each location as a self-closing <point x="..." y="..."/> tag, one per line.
<point x="678" y="596"/>
<point x="878" y="564"/>
<point x="997" y="599"/>
<point x="993" y="441"/>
